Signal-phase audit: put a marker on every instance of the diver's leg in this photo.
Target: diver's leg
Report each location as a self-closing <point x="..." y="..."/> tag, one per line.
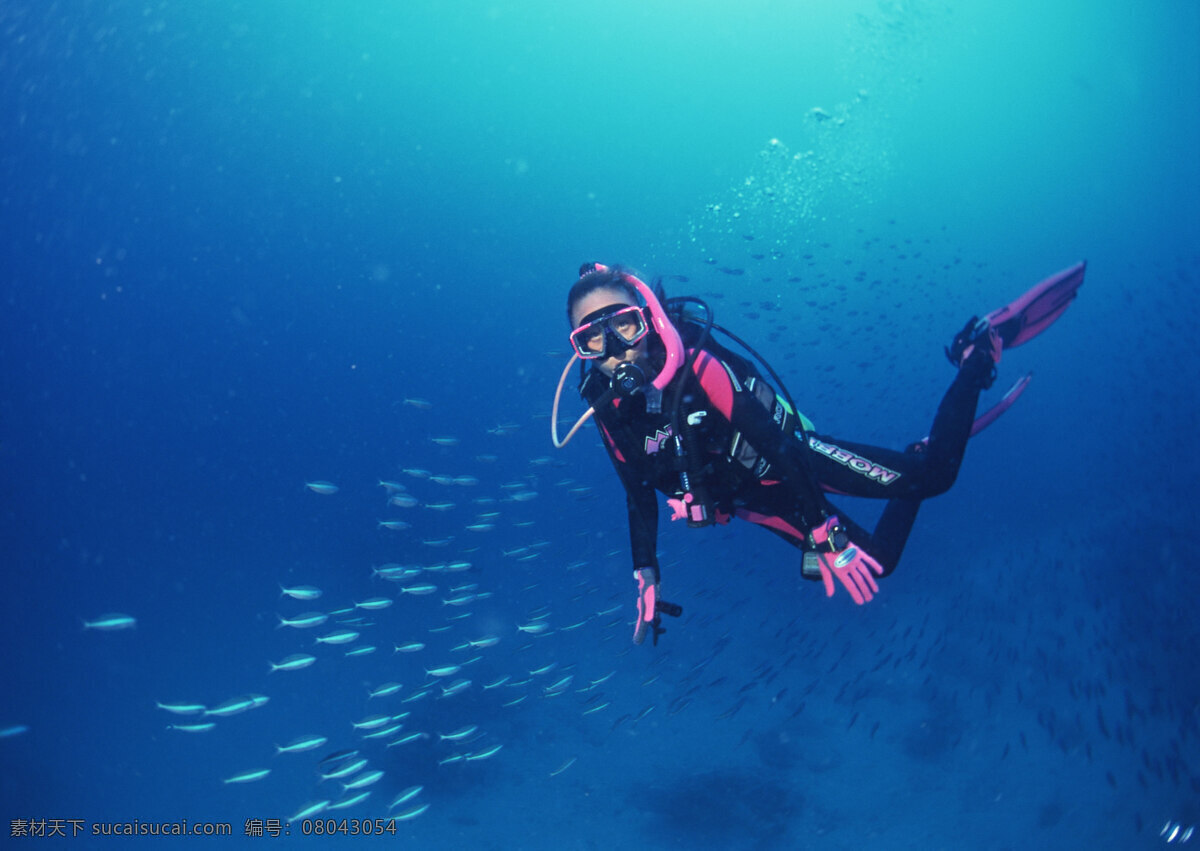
<point x="925" y="469"/>
<point x="948" y="436"/>
<point x="938" y="460"/>
<point x="891" y="532"/>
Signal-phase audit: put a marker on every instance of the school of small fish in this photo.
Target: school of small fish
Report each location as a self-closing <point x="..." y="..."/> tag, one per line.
<point x="419" y="616"/>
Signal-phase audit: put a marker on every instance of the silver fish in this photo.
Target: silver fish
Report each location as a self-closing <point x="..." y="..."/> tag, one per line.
<point x="535" y="628"/>
<point x="371" y="722"/>
<point x="375" y="603"/>
<point x="351" y="801"/>
<point x="456" y="687"/>
<point x="233" y="706"/>
<point x="406" y="796"/>
<point x="300" y="592"/>
<point x="292" y="663"/>
<point x="411" y="813"/>
<point x="304" y="621"/>
<point x="419" y="590"/>
<point x="486" y="753"/>
<point x="385" y="690"/>
<point x="459" y="734"/>
<point x="181" y="708"/>
<point x="340" y="636"/>
<point x="249" y="776"/>
<point x="346" y="770"/>
<point x="309" y="810"/>
<point x="443" y="671"/>
<point x="301" y="744"/>
<point x="111" y="622"/>
<point x="367" y="778"/>
<point x="404" y="740"/>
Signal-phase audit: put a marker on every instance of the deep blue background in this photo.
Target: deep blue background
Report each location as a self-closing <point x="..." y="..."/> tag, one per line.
<point x="237" y="236"/>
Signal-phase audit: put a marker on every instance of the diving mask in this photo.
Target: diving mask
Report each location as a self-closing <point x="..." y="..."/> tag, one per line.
<point x="609" y="332"/>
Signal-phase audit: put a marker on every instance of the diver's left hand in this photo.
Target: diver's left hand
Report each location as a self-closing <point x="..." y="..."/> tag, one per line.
<point x="838" y="556"/>
<point x="852" y="567"/>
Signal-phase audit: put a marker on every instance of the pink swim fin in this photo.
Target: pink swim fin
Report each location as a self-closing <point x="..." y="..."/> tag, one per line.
<point x="1037" y="309"/>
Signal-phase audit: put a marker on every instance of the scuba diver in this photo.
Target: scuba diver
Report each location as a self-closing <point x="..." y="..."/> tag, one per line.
<point x="683" y="414"/>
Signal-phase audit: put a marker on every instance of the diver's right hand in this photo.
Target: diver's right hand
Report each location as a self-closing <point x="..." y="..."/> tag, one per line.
<point x="647" y="602"/>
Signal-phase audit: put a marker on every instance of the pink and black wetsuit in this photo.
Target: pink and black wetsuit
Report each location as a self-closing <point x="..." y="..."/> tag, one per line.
<point x="755" y="466"/>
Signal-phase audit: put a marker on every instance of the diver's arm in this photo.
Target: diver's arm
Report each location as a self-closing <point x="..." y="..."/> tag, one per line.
<point x="643" y="527"/>
<point x="642" y="504"/>
<point x="641" y="501"/>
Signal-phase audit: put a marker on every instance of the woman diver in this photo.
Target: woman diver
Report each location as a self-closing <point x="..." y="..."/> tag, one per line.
<point x="682" y="414"/>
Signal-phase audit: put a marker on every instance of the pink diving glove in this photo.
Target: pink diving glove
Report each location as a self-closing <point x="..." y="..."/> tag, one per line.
<point x="647" y="602"/>
<point x="837" y="555"/>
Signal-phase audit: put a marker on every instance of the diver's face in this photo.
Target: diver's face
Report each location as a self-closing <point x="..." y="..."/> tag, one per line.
<point x="598" y="300"/>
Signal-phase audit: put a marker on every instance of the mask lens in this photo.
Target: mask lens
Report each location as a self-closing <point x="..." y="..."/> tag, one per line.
<point x="591" y="339"/>
<point x="588" y="339"/>
<point x="624" y="324"/>
<point x="628" y="325"/>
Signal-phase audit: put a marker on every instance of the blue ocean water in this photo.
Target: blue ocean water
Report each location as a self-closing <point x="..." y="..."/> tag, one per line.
<point x="248" y="246"/>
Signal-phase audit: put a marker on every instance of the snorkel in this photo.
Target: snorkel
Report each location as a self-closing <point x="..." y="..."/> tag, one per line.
<point x="666" y="331"/>
<point x="630" y="378"/>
